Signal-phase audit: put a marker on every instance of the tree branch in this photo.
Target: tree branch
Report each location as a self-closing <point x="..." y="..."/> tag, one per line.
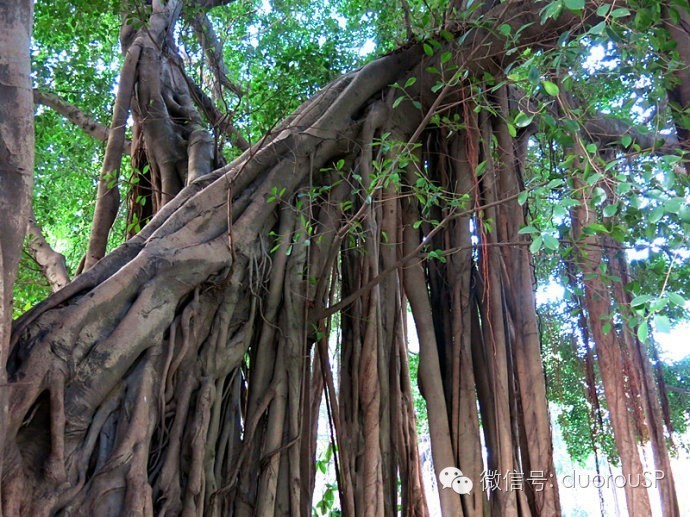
<point x="209" y="4"/>
<point x="217" y="119"/>
<point x="608" y="132"/>
<point x="75" y="115"/>
<point x="52" y="263"/>
<point x="678" y="389"/>
<point x="213" y="49"/>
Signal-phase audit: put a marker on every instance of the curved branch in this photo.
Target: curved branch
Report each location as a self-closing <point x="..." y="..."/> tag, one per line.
<point x="217" y="119"/>
<point x="108" y="200"/>
<point x="52" y="263"/>
<point x="76" y="116"/>
<point x="608" y="132"/>
<point x="209" y="4"/>
<point x="213" y="49"/>
<point x="678" y="389"/>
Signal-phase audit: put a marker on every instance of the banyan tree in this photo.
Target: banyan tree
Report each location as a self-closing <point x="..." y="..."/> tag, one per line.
<point x="184" y="371"/>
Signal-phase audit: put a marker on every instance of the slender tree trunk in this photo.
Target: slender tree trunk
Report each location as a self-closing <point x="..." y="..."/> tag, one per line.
<point x="609" y="356"/>
<point x="429" y="366"/>
<point x="649" y="396"/>
<point x="520" y="284"/>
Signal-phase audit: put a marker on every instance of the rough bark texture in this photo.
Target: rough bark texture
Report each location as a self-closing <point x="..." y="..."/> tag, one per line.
<point x="16" y="169"/>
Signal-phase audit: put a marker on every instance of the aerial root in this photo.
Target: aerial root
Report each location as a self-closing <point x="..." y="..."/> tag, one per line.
<point x="138" y="500"/>
<point x="169" y="481"/>
<point x="194" y="497"/>
<point x="55" y="466"/>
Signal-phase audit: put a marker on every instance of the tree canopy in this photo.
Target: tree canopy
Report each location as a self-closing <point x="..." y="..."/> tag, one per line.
<point x="241" y="209"/>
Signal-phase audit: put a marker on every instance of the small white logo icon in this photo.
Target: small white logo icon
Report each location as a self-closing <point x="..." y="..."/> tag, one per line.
<point x="450" y="477"/>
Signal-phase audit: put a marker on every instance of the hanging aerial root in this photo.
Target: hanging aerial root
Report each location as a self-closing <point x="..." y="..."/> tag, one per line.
<point x="194" y="496"/>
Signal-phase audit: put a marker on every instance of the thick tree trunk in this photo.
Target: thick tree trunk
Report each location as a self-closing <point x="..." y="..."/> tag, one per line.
<point x="16" y="170"/>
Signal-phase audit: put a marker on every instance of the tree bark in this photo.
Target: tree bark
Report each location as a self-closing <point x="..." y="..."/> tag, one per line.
<point x="52" y="263"/>
<point x="16" y="171"/>
<point x="609" y="355"/>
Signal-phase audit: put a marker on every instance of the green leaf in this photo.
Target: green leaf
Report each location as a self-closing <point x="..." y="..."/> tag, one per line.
<point x="643" y="331"/>
<point x="626" y="140"/>
<point x="523" y="120"/>
<point x="598" y="29"/>
<point x="551" y="88"/>
<point x="676" y="299"/>
<point x="536" y="244"/>
<point x="505" y="29"/>
<point x="620" y="12"/>
<point x="511" y="130"/>
<point x="684" y="214"/>
<point x="522" y="197"/>
<point x="574" y="5"/>
<point x="548" y="120"/>
<point x="603" y="10"/>
<point x="656" y="214"/>
<point x="550" y="242"/>
<point x="610" y="210"/>
<point x="623" y="188"/>
<point x="671" y="159"/>
<point x="552" y="10"/>
<point x="410" y="82"/>
<point x="427" y="49"/>
<point x="446" y="35"/>
<point x="397" y="102"/>
<point x="597" y="228"/>
<point x="640" y="300"/>
<point x="527" y="229"/>
<point x="674" y="205"/>
<point x="659" y="303"/>
<point x="594" y="178"/>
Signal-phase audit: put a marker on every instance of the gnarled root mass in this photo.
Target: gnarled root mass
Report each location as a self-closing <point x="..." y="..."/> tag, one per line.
<point x="180" y="374"/>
